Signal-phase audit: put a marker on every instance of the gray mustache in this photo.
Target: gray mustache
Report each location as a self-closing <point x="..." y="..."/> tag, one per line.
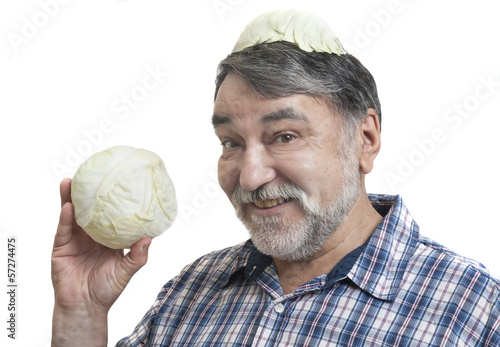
<point x="275" y="191"/>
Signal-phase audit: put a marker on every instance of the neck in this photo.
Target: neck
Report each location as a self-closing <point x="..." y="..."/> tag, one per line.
<point x="360" y="223"/>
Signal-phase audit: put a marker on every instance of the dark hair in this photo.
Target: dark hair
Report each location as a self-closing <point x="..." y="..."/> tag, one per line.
<point x="281" y="69"/>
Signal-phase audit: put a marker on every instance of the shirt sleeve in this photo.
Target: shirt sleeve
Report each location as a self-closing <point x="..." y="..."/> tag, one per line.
<point x="141" y="334"/>
<point x="145" y="331"/>
<point x="179" y="293"/>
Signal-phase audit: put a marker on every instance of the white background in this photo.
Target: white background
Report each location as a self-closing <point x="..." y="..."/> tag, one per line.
<point x="65" y="68"/>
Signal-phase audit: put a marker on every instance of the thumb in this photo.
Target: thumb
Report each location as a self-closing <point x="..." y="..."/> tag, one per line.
<point x="136" y="257"/>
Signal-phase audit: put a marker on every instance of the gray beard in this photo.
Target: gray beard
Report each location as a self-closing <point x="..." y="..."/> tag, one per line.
<point x="290" y="241"/>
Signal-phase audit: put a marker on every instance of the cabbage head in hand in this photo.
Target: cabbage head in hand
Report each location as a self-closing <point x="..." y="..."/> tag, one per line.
<point x="123" y="194"/>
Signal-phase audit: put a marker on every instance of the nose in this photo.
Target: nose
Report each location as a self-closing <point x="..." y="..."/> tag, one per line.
<point x="256" y="168"/>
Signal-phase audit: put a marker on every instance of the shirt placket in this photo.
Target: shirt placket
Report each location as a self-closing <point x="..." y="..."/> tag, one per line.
<point x="274" y="328"/>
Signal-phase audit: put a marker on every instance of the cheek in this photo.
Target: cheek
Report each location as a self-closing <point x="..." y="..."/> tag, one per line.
<point x="319" y="176"/>
<point x="303" y="165"/>
<point x="228" y="177"/>
<point x="301" y="171"/>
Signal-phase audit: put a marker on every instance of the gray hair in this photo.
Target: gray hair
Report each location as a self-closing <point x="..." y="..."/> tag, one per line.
<point x="281" y="69"/>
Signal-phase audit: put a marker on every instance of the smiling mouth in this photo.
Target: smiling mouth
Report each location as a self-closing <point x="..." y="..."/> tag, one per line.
<point x="269" y="203"/>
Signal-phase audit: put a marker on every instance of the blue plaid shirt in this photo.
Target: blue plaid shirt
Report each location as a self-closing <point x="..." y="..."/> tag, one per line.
<point x="400" y="289"/>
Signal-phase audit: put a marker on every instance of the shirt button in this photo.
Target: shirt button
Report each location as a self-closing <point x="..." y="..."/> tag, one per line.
<point x="279" y="308"/>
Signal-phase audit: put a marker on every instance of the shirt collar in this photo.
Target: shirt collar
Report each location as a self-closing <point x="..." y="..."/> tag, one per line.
<point x="379" y="269"/>
<point x="257" y="262"/>
<point x="243" y="254"/>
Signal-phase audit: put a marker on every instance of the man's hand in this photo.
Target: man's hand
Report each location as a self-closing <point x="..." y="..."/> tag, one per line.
<point x="87" y="278"/>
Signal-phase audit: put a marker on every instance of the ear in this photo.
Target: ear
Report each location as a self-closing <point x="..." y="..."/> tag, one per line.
<point x="369" y="139"/>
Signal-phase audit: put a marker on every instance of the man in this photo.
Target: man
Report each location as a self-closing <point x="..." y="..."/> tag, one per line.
<point x="327" y="264"/>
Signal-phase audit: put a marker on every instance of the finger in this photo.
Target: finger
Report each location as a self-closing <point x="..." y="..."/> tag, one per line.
<point x="65" y="226"/>
<point x="137" y="257"/>
<point x="65" y="191"/>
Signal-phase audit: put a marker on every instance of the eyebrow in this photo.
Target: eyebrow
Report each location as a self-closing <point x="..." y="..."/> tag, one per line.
<point x="219" y="120"/>
<point x="285" y="113"/>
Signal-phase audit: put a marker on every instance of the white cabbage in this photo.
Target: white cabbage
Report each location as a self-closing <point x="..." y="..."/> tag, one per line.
<point x="306" y="30"/>
<point x="123" y="194"/>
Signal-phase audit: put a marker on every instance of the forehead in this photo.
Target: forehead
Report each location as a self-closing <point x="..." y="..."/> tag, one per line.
<point x="237" y="101"/>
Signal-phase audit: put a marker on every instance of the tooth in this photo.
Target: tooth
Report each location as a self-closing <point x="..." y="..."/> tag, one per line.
<point x="268" y="203"/>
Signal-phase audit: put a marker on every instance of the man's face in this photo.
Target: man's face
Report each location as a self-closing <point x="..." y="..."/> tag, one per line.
<point x="284" y="168"/>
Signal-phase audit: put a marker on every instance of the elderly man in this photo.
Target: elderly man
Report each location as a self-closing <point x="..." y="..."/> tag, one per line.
<point x="327" y="264"/>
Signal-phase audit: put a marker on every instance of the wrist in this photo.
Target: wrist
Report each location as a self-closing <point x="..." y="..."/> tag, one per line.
<point x="79" y="327"/>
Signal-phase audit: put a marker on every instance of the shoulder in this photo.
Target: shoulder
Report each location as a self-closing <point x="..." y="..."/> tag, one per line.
<point x="199" y="280"/>
<point x="222" y="260"/>
<point x="400" y="246"/>
<point x="212" y="269"/>
<point x="467" y="293"/>
<point x="436" y="258"/>
<point x="399" y="260"/>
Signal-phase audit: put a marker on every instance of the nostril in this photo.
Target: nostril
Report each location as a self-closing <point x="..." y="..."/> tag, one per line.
<point x="255" y="167"/>
<point x="252" y="180"/>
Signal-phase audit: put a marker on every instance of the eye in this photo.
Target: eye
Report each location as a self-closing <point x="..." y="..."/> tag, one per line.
<point x="285" y="138"/>
<point x="228" y="144"/>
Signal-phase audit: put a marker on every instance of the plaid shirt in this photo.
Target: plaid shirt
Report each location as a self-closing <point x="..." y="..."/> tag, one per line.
<point x="400" y="289"/>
